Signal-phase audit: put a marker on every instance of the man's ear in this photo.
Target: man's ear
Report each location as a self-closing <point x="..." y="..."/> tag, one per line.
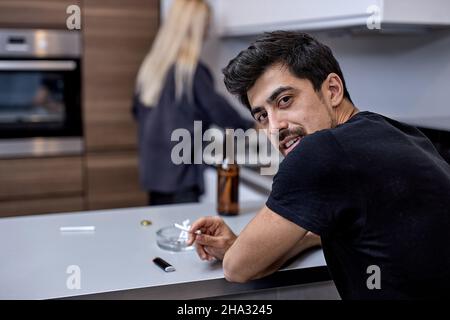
<point x="334" y="89"/>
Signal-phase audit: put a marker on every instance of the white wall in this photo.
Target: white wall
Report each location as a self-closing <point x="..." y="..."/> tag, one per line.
<point x="401" y="75"/>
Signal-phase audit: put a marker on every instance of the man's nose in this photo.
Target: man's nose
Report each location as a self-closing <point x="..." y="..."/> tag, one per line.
<point x="276" y="123"/>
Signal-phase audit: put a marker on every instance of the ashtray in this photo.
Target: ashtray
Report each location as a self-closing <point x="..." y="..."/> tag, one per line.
<point x="172" y="239"/>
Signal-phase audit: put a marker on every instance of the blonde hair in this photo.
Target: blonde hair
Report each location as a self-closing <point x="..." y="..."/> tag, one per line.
<point x="178" y="42"/>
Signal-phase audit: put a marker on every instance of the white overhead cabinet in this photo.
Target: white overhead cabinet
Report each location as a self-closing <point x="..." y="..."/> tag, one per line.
<point x="248" y="17"/>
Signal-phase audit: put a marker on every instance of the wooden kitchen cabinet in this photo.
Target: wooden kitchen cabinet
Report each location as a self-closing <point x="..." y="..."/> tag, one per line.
<point x="40" y="177"/>
<point x="35" y="13"/>
<point x="113" y="181"/>
<point x="117" y="36"/>
<point x="41" y="205"/>
<point x="41" y="185"/>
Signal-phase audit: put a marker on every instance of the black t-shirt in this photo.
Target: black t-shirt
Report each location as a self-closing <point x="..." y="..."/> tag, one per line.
<point x="378" y="193"/>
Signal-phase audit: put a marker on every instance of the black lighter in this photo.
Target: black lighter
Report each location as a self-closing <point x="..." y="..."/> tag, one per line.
<point x="167" y="267"/>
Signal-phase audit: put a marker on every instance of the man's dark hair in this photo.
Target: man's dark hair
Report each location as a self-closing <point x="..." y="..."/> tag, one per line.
<point x="304" y="56"/>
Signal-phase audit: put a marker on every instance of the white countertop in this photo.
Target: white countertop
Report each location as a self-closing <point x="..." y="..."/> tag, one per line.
<point x="116" y="258"/>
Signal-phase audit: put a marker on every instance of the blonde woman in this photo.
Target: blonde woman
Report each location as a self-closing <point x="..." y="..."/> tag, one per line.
<point x="173" y="90"/>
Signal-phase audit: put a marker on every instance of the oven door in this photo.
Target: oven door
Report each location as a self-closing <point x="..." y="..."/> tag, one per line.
<point x="40" y="98"/>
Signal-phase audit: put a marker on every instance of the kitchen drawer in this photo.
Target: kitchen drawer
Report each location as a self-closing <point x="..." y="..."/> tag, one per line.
<point x="38" y="206"/>
<point x="40" y="177"/>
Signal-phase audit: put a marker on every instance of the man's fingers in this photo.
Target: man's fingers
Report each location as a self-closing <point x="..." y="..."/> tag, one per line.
<point x="191" y="238"/>
<point x="211" y="241"/>
<point x="206" y="223"/>
<point x="201" y="252"/>
<point x="211" y="256"/>
<point x="202" y="223"/>
<point x="199" y="224"/>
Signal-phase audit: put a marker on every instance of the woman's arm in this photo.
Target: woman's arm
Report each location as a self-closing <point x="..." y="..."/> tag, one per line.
<point x="213" y="105"/>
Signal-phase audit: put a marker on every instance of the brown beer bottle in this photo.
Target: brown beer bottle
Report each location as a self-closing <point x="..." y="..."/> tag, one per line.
<point x="228" y="189"/>
<point x="228" y="180"/>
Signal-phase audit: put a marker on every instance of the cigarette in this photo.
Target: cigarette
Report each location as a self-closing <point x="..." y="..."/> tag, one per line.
<point x="179" y="226"/>
<point x="77" y="228"/>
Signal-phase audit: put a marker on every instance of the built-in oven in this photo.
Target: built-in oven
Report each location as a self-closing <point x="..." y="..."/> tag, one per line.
<point x="40" y="92"/>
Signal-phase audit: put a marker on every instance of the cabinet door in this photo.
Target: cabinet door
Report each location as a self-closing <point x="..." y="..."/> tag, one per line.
<point x="42" y="205"/>
<point x="113" y="181"/>
<point x="117" y="36"/>
<point x="40" y="177"/>
<point x="35" y="13"/>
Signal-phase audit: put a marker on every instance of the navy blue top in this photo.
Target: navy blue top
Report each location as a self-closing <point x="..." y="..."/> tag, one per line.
<point x="155" y="127"/>
<point x="378" y="193"/>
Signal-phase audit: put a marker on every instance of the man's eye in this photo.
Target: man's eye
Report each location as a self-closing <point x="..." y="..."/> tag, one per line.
<point x="284" y="101"/>
<point x="261" y="117"/>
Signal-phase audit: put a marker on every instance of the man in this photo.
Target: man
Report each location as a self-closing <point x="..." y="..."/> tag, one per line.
<point x="375" y="190"/>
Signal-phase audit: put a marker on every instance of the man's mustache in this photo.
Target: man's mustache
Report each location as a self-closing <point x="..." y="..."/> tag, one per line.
<point x="297" y="131"/>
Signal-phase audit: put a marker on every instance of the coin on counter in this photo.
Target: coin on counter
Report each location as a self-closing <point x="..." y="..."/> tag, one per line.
<point x="145" y="223"/>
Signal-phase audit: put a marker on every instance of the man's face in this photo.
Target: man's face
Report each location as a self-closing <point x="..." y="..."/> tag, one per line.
<point x="288" y="107"/>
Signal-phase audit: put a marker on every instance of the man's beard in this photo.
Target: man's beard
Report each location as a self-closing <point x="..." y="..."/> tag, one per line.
<point x="297" y="131"/>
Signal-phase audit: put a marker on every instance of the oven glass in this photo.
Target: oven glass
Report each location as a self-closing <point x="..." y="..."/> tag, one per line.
<point x="40" y="98"/>
<point x="32" y="97"/>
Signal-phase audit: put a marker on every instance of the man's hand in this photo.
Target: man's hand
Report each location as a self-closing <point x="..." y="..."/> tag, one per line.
<point x="265" y="244"/>
<point x="215" y="238"/>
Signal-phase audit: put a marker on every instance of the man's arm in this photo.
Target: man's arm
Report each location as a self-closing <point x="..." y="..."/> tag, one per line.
<point x="265" y="244"/>
<point x="310" y="240"/>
